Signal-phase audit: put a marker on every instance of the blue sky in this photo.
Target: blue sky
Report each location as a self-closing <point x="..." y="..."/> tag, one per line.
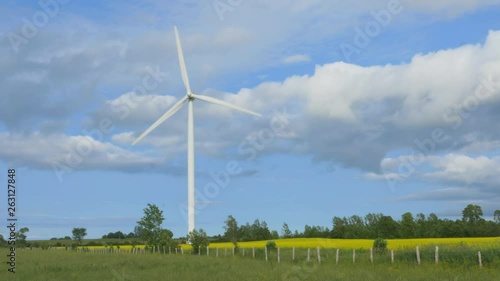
<point x="406" y="121"/>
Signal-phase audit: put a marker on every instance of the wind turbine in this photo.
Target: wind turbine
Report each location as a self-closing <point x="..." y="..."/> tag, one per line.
<point x="190" y="97"/>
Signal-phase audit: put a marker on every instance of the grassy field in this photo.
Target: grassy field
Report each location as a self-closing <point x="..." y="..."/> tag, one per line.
<point x="69" y="265"/>
<point x="458" y="261"/>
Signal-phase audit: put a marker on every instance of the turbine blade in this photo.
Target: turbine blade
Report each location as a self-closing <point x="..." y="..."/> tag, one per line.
<point x="181" y="61"/>
<point x="223" y="103"/>
<point x="162" y="119"/>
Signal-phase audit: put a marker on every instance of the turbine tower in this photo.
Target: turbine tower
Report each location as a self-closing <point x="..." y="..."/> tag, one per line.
<point x="190" y="97"/>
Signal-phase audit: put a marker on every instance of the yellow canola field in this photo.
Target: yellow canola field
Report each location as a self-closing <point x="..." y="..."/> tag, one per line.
<point x="480" y="243"/>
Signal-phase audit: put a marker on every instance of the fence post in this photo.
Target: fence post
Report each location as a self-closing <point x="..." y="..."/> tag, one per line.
<point x="278" y="255"/>
<point x="308" y="254"/>
<point x="418" y="254"/>
<point x="371" y="255"/>
<point x="319" y="254"/>
<point x="182" y="250"/>
<point x="175" y="251"/>
<point x="353" y="255"/>
<point x="208" y="251"/>
<point x="337" y="257"/>
<point x="392" y="256"/>
<point x="436" y="254"/>
<point x="253" y="252"/>
<point x="293" y="253"/>
<point x="243" y="252"/>
<point x="479" y="259"/>
<point x="217" y="251"/>
<point x="233" y="251"/>
<point x="265" y="250"/>
<point x="225" y="251"/>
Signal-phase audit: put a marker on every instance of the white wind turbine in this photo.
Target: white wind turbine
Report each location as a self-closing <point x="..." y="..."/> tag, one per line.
<point x="190" y="97"/>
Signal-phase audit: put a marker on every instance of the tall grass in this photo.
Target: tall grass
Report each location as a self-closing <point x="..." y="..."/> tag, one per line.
<point x="457" y="263"/>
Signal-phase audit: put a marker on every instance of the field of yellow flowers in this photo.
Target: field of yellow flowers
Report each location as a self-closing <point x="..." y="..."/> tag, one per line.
<point x="396" y="244"/>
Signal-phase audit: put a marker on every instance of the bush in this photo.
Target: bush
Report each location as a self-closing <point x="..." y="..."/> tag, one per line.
<point x="380" y="245"/>
<point x="199" y="240"/>
<point x="271" y="246"/>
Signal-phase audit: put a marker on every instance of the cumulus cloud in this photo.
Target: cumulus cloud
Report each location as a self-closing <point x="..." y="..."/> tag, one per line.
<point x="63" y="154"/>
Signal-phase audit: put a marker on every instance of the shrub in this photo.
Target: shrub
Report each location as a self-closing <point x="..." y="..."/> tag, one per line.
<point x="271" y="246"/>
<point x="380" y="245"/>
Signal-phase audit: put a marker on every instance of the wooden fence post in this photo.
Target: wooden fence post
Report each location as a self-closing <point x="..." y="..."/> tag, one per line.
<point x="278" y="255"/>
<point x="293" y="253"/>
<point x="243" y="252"/>
<point x="353" y="255"/>
<point x="371" y="255"/>
<point x="217" y="251"/>
<point x="417" y="250"/>
<point x="233" y="251"/>
<point x="337" y="257"/>
<point x="208" y="251"/>
<point x="308" y="254"/>
<point x="319" y="254"/>
<point x="479" y="259"/>
<point x="253" y="252"/>
<point x="436" y="254"/>
<point x="265" y="250"/>
<point x="392" y="256"/>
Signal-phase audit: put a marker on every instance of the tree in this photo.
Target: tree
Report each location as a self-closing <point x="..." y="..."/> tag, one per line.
<point x="79" y="233"/>
<point x="408" y="226"/>
<point x="150" y="225"/>
<point x="387" y="227"/>
<point x="199" y="240"/>
<point x="472" y="214"/>
<point x="285" y="231"/>
<point x="21" y="236"/>
<point x="231" y="232"/>
<point x="496" y="216"/>
<point x="339" y="227"/>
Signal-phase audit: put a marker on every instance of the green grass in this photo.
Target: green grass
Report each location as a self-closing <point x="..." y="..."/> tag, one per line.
<point x="61" y="265"/>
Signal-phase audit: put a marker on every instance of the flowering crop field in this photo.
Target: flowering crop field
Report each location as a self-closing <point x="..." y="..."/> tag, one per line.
<point x="396" y="244"/>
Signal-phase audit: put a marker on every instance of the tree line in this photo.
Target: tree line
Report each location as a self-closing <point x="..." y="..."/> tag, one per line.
<point x="372" y="226"/>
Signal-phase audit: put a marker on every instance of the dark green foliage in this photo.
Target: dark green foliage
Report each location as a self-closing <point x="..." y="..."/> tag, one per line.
<point x="271" y="246"/>
<point x="380" y="245"/>
<point x="199" y="240"/>
<point x="79" y="234"/>
<point x="378" y="225"/>
<point x="149" y="229"/>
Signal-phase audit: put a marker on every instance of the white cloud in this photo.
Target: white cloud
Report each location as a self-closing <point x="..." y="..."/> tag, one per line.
<point x="62" y="153"/>
<point x="296" y="59"/>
